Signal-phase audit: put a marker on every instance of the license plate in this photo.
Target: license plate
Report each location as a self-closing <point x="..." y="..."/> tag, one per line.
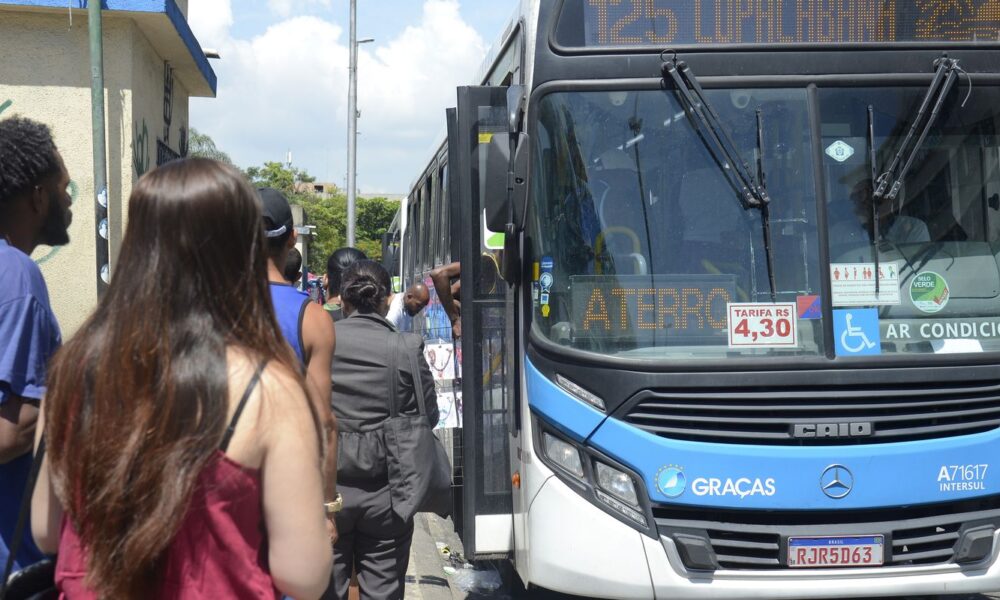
<point x="836" y="551"/>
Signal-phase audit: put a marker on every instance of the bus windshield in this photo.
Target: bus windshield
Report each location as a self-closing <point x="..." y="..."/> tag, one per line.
<point x="644" y="249"/>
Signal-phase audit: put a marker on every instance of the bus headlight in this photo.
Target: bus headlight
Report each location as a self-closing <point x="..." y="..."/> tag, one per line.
<point x="563" y="455"/>
<point x="580" y="394"/>
<point x="618" y="484"/>
<point x="620" y="496"/>
<point x="612" y="487"/>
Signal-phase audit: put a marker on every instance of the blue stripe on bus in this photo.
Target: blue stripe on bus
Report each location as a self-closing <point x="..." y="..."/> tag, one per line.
<point x="791" y="477"/>
<point x="573" y="417"/>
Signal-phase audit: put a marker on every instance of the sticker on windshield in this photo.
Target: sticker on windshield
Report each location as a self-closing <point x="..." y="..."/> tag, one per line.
<point x="929" y="292"/>
<point x="810" y="307"/>
<point x="853" y="284"/>
<point x="753" y="325"/>
<point x="856" y="332"/>
<point x="546" y="281"/>
<point x="839" y="151"/>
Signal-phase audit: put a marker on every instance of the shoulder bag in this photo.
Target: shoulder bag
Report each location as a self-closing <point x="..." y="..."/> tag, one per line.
<point x="419" y="471"/>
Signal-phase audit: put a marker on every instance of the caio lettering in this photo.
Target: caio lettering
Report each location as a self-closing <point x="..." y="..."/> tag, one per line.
<point x="832" y="430"/>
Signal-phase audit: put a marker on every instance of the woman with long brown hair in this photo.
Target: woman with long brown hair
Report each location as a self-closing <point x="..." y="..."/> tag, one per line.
<point x="145" y="491"/>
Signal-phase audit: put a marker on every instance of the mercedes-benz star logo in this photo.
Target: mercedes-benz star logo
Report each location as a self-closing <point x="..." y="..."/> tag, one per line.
<point x="836" y="481"/>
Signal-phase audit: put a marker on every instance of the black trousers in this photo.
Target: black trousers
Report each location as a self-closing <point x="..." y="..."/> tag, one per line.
<point x="372" y="539"/>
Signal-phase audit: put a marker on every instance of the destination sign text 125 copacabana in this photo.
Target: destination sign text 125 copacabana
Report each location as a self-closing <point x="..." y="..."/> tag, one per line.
<point x="704" y="22"/>
<point x="634" y="306"/>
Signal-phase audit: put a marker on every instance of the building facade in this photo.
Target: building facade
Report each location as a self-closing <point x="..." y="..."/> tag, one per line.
<point x="152" y="65"/>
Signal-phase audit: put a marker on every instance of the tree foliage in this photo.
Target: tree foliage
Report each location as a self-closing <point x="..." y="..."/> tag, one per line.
<point x="278" y="176"/>
<point x="202" y="145"/>
<point x="328" y="214"/>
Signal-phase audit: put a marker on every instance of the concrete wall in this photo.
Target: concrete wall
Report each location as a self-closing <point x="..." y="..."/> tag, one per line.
<point x="153" y="119"/>
<point x="45" y="76"/>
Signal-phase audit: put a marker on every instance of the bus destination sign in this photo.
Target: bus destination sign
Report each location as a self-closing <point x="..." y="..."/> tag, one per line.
<point x="622" y="307"/>
<point x="665" y="23"/>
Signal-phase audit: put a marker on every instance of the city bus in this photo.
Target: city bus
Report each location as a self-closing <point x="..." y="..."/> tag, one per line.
<point x="730" y="296"/>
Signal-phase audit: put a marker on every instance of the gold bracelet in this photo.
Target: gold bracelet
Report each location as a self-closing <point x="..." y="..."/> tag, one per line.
<point x="334" y="507"/>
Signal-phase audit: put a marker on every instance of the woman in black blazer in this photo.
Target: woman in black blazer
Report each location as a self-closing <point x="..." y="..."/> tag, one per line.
<point x="374" y="540"/>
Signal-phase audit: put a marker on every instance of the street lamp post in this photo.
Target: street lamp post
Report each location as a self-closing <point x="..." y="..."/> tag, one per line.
<point x="96" y="30"/>
<point x="352" y="127"/>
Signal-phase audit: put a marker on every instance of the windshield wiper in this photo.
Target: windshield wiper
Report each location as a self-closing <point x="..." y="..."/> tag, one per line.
<point x="749" y="190"/>
<point x="875" y="203"/>
<point x="765" y="207"/>
<point x="716" y="138"/>
<point x="887" y="185"/>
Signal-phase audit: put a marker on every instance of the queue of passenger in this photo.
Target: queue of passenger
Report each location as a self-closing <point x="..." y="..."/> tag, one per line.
<point x="186" y="437"/>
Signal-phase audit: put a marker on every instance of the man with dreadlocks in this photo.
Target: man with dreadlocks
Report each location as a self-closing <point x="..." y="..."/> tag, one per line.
<point x="34" y="210"/>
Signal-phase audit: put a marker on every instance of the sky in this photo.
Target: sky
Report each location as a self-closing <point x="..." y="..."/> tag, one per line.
<point x="283" y="80"/>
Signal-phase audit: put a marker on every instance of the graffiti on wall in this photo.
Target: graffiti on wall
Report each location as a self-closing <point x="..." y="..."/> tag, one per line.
<point x="164" y="153"/>
<point x="73" y="190"/>
<point x="140" y="148"/>
<point x="182" y="144"/>
<point x="168" y="100"/>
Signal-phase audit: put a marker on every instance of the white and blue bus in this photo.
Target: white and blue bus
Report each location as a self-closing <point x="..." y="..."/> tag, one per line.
<point x="730" y="296"/>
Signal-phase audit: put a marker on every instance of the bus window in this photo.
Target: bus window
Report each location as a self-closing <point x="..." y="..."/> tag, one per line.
<point x="939" y="240"/>
<point x="444" y="252"/>
<point x="421" y="234"/>
<point x="412" y="233"/>
<point x="645" y="241"/>
<point x="435" y="220"/>
<point x="425" y="225"/>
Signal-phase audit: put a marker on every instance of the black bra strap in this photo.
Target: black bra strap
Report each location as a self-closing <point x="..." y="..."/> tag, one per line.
<point x="239" y="408"/>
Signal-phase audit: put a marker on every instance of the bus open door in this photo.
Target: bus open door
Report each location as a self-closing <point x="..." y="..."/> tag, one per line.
<point x="486" y="348"/>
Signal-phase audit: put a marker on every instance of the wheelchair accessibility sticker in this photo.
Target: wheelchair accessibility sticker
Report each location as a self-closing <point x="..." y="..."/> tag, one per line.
<point x="856" y="332"/>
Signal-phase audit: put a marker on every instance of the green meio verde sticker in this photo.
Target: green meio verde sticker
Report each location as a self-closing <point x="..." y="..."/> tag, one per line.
<point x="929" y="292"/>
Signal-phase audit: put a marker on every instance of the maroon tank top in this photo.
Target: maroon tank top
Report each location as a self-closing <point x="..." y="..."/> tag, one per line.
<point x="220" y="550"/>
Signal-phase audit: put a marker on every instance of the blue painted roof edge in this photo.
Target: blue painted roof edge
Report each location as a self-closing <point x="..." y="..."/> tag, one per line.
<point x="197" y="53"/>
<point x="167" y="7"/>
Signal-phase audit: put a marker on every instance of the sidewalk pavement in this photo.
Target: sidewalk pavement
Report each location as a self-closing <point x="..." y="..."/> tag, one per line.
<point x="427" y="577"/>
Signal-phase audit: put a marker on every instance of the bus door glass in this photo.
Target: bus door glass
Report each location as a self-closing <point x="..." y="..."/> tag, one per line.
<point x="482" y="113"/>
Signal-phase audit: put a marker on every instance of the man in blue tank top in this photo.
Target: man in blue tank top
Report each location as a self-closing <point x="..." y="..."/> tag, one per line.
<point x="305" y="326"/>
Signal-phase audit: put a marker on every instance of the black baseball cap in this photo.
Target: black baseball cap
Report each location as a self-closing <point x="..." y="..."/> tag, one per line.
<point x="277" y="212"/>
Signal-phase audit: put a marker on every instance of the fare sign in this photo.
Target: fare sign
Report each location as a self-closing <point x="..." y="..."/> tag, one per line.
<point x="755" y="325"/>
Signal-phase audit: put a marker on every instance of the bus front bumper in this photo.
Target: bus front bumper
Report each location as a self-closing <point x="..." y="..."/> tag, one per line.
<point x="576" y="548"/>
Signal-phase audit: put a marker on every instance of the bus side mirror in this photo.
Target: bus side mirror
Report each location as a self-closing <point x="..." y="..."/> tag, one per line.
<point x="496" y="200"/>
<point x="505" y="183"/>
